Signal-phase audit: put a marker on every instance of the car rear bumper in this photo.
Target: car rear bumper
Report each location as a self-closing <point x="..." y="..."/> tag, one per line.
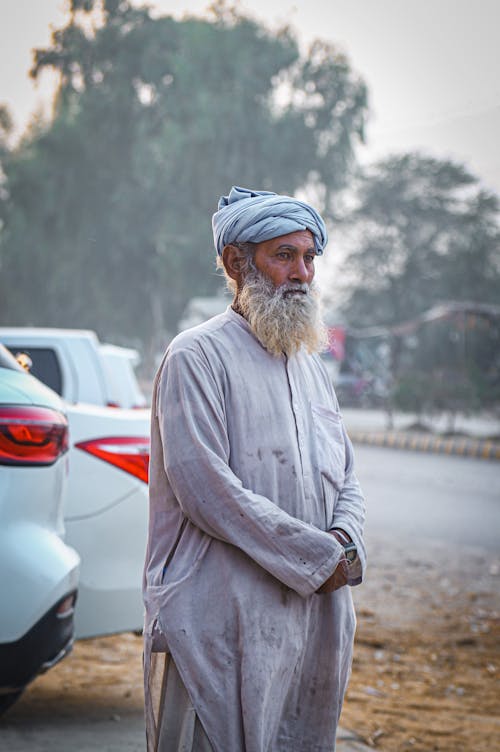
<point x="44" y="645"/>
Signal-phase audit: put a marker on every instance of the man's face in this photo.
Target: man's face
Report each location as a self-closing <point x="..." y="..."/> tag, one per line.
<point x="278" y="297"/>
<point x="287" y="259"/>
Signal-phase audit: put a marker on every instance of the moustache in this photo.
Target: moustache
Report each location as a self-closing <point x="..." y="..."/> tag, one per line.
<point x="289" y="290"/>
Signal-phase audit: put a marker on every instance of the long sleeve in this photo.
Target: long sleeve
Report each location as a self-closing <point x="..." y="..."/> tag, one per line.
<point x="350" y="513"/>
<point x="192" y="421"/>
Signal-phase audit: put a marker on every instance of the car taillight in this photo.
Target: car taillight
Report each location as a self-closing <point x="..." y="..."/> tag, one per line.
<point x="129" y="453"/>
<point x="32" y="435"/>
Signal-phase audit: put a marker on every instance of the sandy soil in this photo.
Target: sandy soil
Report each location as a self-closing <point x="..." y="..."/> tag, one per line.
<point x="425" y="674"/>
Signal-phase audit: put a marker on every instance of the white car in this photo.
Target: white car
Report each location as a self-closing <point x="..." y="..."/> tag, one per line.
<point x="77" y="366"/>
<point x="119" y="364"/>
<point x="39" y="571"/>
<point x="106" y="511"/>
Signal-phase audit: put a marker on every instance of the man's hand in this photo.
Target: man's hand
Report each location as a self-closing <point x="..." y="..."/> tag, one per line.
<point x="341" y="574"/>
<point x="337" y="580"/>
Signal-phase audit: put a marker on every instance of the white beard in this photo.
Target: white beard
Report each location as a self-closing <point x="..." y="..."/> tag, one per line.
<point x="284" y="318"/>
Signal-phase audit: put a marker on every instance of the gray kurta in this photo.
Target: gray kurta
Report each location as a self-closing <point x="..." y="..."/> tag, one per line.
<point x="250" y="465"/>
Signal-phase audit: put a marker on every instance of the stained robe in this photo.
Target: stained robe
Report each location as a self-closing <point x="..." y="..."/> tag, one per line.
<point x="250" y="467"/>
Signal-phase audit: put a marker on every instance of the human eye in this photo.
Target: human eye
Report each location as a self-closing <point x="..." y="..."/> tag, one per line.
<point x="284" y="255"/>
<point x="309" y="258"/>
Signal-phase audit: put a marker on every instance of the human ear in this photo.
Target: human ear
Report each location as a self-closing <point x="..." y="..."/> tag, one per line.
<point x="234" y="262"/>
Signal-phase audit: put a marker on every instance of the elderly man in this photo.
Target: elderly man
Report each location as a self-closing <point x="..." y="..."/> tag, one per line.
<point x="256" y="515"/>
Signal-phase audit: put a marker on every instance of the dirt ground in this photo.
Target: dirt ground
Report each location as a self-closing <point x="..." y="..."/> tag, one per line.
<point x="426" y="672"/>
<point x="425" y="675"/>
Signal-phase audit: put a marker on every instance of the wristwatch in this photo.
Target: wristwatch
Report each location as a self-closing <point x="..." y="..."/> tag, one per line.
<point x="350" y="550"/>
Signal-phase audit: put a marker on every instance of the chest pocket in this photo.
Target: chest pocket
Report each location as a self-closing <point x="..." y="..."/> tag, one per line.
<point x="330" y="444"/>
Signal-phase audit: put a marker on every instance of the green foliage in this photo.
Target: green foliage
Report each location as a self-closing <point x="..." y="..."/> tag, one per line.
<point x="424" y="231"/>
<point x="411" y="392"/>
<point x="5" y="122"/>
<point x="451" y="365"/>
<point x="106" y="212"/>
<point x="428" y="393"/>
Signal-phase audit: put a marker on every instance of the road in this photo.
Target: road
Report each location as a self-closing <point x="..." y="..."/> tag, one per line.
<point x="421" y="497"/>
<point x="424" y="512"/>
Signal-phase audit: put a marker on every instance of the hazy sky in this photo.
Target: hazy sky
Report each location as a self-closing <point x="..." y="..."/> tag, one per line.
<point x="432" y="66"/>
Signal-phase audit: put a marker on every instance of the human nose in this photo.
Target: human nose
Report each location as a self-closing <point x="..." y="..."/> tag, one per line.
<point x="300" y="272"/>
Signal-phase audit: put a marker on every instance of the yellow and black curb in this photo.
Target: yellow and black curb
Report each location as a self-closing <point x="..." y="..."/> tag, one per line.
<point x="461" y="446"/>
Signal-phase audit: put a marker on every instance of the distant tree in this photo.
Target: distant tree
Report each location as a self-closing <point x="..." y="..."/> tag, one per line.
<point x="424" y="231"/>
<point x="450" y="366"/>
<point x="5" y="126"/>
<point x="106" y="210"/>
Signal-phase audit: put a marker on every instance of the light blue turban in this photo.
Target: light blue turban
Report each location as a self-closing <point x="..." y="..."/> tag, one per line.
<point x="255" y="216"/>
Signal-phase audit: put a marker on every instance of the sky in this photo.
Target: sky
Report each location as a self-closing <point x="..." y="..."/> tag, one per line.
<point x="431" y="66"/>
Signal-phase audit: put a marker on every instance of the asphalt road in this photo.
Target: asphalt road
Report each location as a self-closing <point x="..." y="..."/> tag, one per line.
<point x="415" y="496"/>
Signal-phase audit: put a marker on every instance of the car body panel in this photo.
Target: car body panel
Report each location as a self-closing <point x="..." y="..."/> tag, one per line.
<point x="34" y="560"/>
<point x="106" y="522"/>
<point x="95" y="485"/>
<point x="109" y="597"/>
<point x="24" y="389"/>
<point x="39" y="570"/>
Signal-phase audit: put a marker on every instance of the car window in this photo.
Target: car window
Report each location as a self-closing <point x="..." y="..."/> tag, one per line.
<point x="45" y="365"/>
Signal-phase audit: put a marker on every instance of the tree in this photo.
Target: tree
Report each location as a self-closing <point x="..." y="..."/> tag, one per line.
<point x="425" y="232"/>
<point x="106" y="213"/>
